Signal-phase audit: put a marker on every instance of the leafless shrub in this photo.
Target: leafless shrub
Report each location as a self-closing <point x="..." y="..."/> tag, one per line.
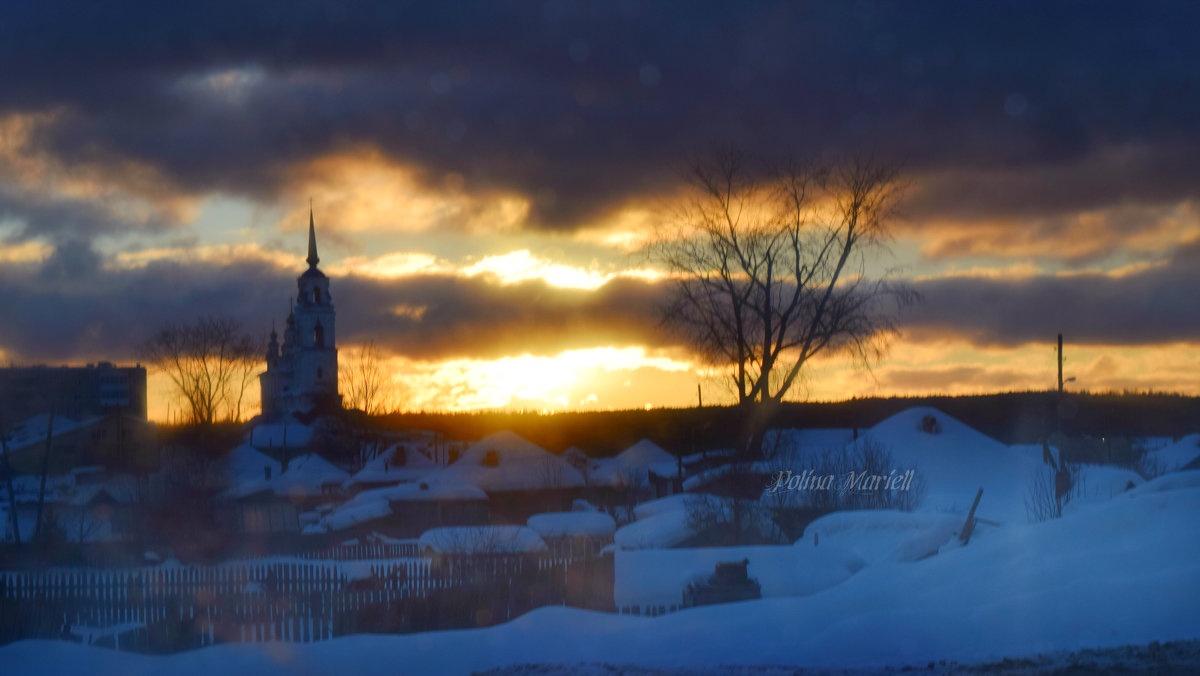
<point x="860" y="475"/>
<point x="1045" y="498"/>
<point x="731" y="521"/>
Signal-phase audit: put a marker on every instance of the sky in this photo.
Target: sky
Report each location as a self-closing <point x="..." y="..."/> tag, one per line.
<point x="482" y="175"/>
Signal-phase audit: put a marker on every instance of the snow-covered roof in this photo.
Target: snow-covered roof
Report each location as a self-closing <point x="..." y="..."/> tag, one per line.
<point x="631" y="464"/>
<point x="274" y="435"/>
<point x="435" y="489"/>
<point x="399" y="463"/>
<point x="560" y="524"/>
<point x="242" y="465"/>
<point x="121" y="490"/>
<point x="33" y="430"/>
<point x="519" y="465"/>
<point x="377" y="503"/>
<point x="349" y="515"/>
<point x="306" y="476"/>
<point x="659" y="531"/>
<point x="481" y="540"/>
<point x="670" y="503"/>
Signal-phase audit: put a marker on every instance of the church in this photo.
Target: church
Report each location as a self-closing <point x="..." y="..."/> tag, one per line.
<point x="302" y="372"/>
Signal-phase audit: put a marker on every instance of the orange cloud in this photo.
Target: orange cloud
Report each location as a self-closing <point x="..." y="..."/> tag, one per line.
<point x="369" y="191"/>
<point x="126" y="189"/>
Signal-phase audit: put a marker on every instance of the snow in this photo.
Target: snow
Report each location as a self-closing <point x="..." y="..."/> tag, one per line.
<point x="376" y="503"/>
<point x="521" y="465"/>
<point x="481" y="540"/>
<point x="665" y="529"/>
<point x="399" y="463"/>
<point x="1174" y="456"/>
<point x="349" y="515"/>
<point x="670" y="503"/>
<point x="305" y="477"/>
<point x="882" y="535"/>
<point x="1120" y="572"/>
<point x="435" y="489"/>
<point x="630" y="465"/>
<point x="812" y="440"/>
<point x="273" y="435"/>
<point x="33" y="430"/>
<point x="243" y="465"/>
<point x="560" y="524"/>
<point x="956" y="462"/>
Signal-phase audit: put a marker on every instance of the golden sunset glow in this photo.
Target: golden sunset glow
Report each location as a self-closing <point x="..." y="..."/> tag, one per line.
<point x="367" y="191"/>
<point x="486" y="221"/>
<point x="610" y="378"/>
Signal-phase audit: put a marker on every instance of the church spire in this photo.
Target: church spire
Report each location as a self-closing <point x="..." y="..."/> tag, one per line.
<point x="312" y="240"/>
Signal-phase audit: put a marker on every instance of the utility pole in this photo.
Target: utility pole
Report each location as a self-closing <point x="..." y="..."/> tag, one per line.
<point x="699" y="396"/>
<point x="1060" y="380"/>
<point x="8" y="478"/>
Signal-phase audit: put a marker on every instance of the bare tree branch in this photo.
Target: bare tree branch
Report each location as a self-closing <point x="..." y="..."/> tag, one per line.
<point x="769" y="267"/>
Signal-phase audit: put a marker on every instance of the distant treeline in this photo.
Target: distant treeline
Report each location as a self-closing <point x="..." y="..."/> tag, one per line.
<point x="1016" y="417"/>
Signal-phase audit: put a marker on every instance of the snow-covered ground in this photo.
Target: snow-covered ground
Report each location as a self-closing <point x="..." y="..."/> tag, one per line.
<point x="1124" y="571"/>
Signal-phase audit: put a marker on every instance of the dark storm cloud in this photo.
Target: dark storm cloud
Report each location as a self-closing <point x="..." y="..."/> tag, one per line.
<point x="1156" y="305"/>
<point x="70" y="308"/>
<point x="73" y="308"/>
<point x="63" y="219"/>
<point x="581" y="106"/>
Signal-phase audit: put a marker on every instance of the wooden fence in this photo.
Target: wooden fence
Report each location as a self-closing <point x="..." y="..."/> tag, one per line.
<point x="167" y="609"/>
<point x="367" y="550"/>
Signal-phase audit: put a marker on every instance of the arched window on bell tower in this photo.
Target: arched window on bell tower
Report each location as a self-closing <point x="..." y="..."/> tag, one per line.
<point x="319" y="334"/>
<point x="317" y="295"/>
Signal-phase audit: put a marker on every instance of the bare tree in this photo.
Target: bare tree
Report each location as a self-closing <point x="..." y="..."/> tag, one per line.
<point x="770" y="270"/>
<point x="364" y="384"/>
<point x="211" y="363"/>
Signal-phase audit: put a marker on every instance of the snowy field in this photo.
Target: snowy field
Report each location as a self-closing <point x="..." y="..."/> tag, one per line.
<point x="1125" y="571"/>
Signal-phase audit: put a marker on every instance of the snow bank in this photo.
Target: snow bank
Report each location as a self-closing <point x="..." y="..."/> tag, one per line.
<point x="1124" y="572"/>
<point x="1173" y="456"/>
<point x="671" y="503"/>
<point x="658" y="531"/>
<point x="560" y="524"/>
<point x="957" y="461"/>
<point x="882" y="535"/>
